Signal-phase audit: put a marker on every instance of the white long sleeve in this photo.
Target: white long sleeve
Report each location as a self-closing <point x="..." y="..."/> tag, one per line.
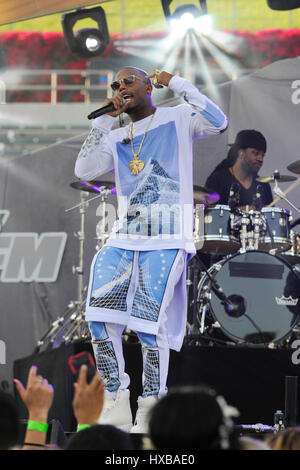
<point x="95" y="157"/>
<point x="207" y="118"/>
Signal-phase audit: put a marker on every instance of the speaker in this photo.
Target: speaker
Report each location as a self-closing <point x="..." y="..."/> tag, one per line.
<point x="283" y="4"/>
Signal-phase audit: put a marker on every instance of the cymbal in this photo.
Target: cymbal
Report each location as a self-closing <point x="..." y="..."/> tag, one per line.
<point x="204" y="195"/>
<point x="294" y="167"/>
<point x="93" y="186"/>
<point x="279" y="178"/>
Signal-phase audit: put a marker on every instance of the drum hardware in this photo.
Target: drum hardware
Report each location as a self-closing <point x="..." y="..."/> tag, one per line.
<point x="234" y="305"/>
<point x="245" y="221"/>
<point x="281" y="194"/>
<point x="71" y="325"/>
<point x="261" y="306"/>
<point x="94" y="186"/>
<point x="257" y="223"/>
<point x="202" y="301"/>
<point x="281" y="243"/>
<point x="54" y="337"/>
<point x="275" y="178"/>
<point x="104" y="189"/>
<point x="193" y="277"/>
<point x="228" y="230"/>
<point x="217" y="234"/>
<point x="251" y="226"/>
<point x="294" y="167"/>
<point x="203" y="195"/>
<point x="293" y="255"/>
<point x="79" y="270"/>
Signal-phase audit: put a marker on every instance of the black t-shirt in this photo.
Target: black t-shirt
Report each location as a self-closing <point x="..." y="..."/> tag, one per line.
<point x="221" y="181"/>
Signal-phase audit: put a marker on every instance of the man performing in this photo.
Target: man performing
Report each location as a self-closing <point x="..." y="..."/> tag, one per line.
<point x="235" y="177"/>
<point x="138" y="279"/>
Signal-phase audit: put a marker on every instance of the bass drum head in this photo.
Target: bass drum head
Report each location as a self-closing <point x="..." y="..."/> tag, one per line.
<point x="267" y="291"/>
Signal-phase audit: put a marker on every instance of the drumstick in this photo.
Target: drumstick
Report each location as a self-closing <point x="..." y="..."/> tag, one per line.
<point x="290" y="188"/>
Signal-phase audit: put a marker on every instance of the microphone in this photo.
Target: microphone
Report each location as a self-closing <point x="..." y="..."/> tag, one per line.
<point x="234" y="195"/>
<point x="234" y="305"/>
<point x="104" y="110"/>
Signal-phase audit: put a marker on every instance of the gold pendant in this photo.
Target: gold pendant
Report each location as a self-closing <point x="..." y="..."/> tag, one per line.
<point x="136" y="165"/>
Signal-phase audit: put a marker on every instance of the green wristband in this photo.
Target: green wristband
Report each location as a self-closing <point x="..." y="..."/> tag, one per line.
<point x="37" y="426"/>
<point x="80" y="427"/>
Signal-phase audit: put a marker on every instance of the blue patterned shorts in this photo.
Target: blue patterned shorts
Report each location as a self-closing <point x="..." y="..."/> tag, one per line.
<point x="125" y="283"/>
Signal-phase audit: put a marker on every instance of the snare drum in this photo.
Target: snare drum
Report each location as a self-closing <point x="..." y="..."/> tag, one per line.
<point x="217" y="235"/>
<point x="277" y="223"/>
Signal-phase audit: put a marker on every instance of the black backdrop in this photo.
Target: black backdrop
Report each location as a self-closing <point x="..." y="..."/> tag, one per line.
<point x="251" y="379"/>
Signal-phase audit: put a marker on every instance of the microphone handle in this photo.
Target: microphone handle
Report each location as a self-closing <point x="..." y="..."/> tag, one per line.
<point x="214" y="285"/>
<point x="99" y="112"/>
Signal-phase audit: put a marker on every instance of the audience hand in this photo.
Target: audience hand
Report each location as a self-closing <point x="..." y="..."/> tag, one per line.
<point x="37" y="396"/>
<point x="88" y="398"/>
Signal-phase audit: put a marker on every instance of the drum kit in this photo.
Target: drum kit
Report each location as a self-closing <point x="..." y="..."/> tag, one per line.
<point x="244" y="282"/>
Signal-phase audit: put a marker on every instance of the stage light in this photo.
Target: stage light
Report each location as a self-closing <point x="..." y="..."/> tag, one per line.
<point x="190" y="8"/>
<point x="188" y="17"/>
<point x="86" y="42"/>
<point x="283" y="4"/>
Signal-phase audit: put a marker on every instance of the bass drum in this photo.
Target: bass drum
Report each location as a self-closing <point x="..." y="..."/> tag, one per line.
<point x="265" y="291"/>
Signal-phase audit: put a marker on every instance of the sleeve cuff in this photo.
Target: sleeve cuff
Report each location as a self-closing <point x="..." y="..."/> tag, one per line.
<point x="176" y="82"/>
<point x="104" y="122"/>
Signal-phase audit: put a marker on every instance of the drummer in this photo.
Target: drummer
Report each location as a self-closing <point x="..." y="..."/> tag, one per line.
<point x="235" y="177"/>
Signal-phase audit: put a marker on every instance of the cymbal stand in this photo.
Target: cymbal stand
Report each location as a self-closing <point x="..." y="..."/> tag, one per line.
<point x="281" y="194"/>
<point x="73" y="315"/>
<point x="203" y="309"/>
<point x="81" y="237"/>
<point x="102" y="233"/>
<point x="78" y="327"/>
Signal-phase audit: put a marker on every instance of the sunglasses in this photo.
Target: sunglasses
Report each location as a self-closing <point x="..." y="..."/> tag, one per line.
<point x="127" y="81"/>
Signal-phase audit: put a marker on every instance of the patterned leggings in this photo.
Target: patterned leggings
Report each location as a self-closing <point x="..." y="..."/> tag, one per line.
<point x="108" y="352"/>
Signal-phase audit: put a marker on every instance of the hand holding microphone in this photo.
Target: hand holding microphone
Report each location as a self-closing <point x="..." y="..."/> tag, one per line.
<point x="112" y="106"/>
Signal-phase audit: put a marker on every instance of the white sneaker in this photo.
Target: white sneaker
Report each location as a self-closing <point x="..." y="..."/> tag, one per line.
<point x="141" y="419"/>
<point x="117" y="411"/>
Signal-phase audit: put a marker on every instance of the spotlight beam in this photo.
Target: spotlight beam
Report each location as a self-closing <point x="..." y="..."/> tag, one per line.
<point x="188" y="70"/>
<point x="226" y="62"/>
<point x="203" y="65"/>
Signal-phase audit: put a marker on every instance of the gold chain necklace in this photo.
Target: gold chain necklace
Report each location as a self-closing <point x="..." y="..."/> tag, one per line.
<point x="136" y="165"/>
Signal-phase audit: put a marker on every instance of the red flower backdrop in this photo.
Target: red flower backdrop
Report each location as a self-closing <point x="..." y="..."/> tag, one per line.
<point x="48" y="50"/>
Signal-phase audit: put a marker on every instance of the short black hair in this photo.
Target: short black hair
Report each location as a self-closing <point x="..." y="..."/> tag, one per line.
<point x="250" y="138"/>
<point x="9" y="422"/>
<point x="190" y="417"/>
